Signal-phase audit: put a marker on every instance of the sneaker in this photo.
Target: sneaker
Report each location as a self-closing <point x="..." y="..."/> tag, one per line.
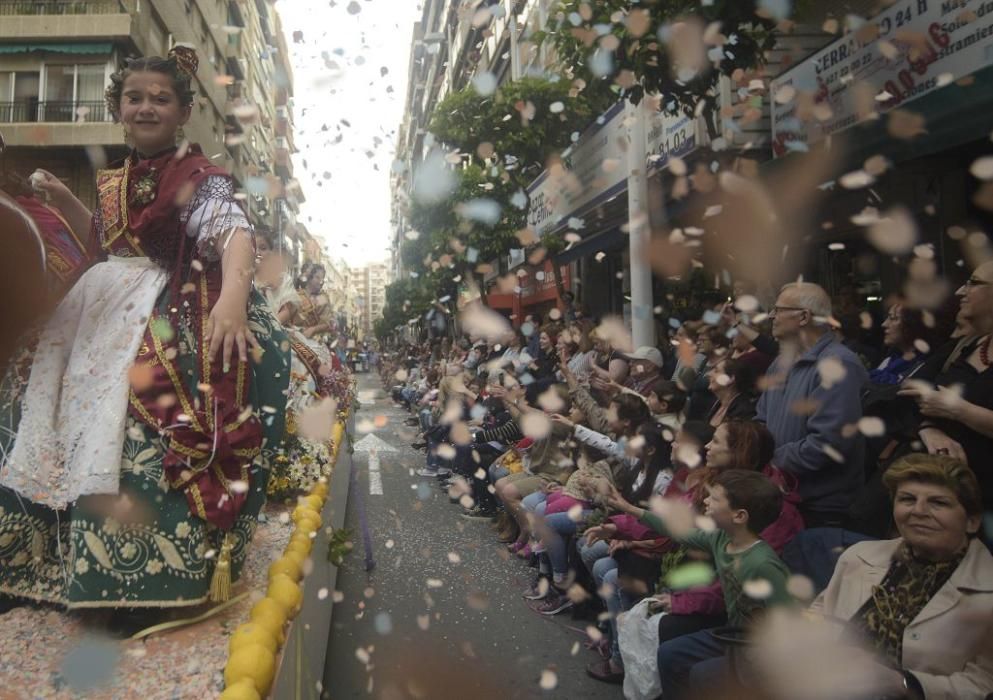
<point x="427" y="472"/>
<point x="605" y="671"/>
<point x="477" y="513"/>
<point x="538" y="590"/>
<point x="554" y="603"/>
<point x="443" y="473"/>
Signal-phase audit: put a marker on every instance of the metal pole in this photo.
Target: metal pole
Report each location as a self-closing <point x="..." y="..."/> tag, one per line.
<point x="542" y="23"/>
<point x="642" y="321"/>
<point x="515" y="54"/>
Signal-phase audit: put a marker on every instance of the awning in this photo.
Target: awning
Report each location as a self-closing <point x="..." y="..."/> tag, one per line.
<point x="953" y="115"/>
<point x="609" y="237"/>
<point x="606" y="241"/>
<point x="60" y="47"/>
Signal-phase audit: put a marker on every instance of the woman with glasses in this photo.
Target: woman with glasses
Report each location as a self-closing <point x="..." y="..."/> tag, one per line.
<point x="958" y="410"/>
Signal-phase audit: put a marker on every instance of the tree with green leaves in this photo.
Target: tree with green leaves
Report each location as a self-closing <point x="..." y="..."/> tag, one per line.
<point x="520" y="127"/>
<point x="477" y="223"/>
<point x="673" y="48"/>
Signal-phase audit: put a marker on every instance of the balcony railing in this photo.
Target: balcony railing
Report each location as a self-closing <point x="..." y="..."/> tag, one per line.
<point x="61" y="7"/>
<point x="35" y="111"/>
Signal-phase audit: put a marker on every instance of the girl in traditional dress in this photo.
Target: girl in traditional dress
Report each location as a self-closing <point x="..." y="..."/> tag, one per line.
<point x="135" y="443"/>
<point x="313" y="377"/>
<point x="314" y="316"/>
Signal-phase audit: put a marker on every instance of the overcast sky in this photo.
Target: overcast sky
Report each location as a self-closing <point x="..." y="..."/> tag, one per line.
<point x="351" y="55"/>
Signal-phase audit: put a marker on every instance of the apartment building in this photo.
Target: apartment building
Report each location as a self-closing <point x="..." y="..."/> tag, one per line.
<point x="447" y="49"/>
<point x="56" y="58"/>
<point x="368" y="285"/>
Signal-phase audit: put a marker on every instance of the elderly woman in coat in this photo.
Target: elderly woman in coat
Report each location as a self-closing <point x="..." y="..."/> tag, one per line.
<point x="924" y="601"/>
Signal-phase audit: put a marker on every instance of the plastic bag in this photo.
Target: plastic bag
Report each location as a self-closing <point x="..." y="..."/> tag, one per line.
<point x="638" y="632"/>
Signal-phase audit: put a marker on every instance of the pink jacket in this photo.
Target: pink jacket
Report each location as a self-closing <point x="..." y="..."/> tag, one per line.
<point x="558" y="502"/>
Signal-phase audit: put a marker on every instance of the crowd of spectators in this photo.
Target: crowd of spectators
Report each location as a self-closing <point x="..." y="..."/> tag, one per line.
<point x="692" y="485"/>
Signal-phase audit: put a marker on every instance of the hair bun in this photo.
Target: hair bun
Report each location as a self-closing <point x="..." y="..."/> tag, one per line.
<point x="186" y="59"/>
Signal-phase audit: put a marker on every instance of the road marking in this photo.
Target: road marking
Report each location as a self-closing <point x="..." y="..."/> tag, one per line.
<point x="375" y="478"/>
<point x="372" y="442"/>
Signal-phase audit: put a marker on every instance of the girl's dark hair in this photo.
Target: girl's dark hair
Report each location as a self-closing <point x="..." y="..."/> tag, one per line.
<point x="669" y="392"/>
<point x="301" y="280"/>
<point x="265" y="232"/>
<point x="312" y="272"/>
<point x="659" y="460"/>
<point x="745" y="376"/>
<point x="632" y="409"/>
<point x="181" y="80"/>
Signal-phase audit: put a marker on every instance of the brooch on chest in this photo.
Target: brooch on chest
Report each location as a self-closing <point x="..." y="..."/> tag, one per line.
<point x="143" y="189"/>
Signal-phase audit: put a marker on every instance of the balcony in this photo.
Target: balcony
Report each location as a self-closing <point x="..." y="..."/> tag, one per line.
<point x="48" y="19"/>
<point x="31" y="111"/>
<point x="35" y="123"/>
<point x="283" y="161"/>
<point x="61" y="7"/>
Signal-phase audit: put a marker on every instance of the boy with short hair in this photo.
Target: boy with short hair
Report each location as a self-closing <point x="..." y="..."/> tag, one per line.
<point x="741" y="504"/>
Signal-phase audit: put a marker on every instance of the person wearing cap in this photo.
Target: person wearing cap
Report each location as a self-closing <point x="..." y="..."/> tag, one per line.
<point x="645" y="367"/>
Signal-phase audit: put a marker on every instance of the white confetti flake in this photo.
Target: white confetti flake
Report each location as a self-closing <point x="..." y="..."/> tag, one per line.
<point x="871" y="426"/>
<point x="485" y="83"/>
<point x="549" y="680"/>
<point x="895" y="233"/>
<point x="831" y="370"/>
<point x="757" y="588"/>
<point x="982" y="168"/>
<point x="535" y="425"/>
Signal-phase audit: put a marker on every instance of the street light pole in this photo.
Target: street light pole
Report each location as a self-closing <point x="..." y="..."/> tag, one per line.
<point x="642" y="320"/>
<point x="515" y="55"/>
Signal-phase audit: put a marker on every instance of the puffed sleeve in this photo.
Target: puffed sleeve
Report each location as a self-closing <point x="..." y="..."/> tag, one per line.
<point x="213" y="214"/>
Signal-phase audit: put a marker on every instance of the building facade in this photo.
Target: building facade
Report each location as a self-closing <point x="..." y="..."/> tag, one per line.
<point x="369" y="284"/>
<point x="749" y="127"/>
<point x="56" y="59"/>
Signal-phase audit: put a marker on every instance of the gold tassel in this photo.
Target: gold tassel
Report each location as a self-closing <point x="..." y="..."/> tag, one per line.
<point x="220" y="584"/>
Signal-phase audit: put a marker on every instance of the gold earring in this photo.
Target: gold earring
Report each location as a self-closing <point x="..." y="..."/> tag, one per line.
<point x="180" y="135"/>
<point x="127" y="136"/>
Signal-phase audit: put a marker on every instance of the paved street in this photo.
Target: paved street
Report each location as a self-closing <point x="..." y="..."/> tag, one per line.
<point x="440" y="615"/>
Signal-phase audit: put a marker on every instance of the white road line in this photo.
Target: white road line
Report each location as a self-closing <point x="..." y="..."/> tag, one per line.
<point x="375" y="478"/>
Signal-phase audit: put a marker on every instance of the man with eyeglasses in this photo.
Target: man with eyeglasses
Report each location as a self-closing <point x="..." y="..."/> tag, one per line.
<point x="813" y="405"/>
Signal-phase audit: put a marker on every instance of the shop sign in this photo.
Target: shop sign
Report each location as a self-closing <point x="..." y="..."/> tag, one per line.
<point x="595" y="168"/>
<point x="911" y="49"/>
<point x="669" y="137"/>
<point x="532" y="287"/>
<point x="592" y="170"/>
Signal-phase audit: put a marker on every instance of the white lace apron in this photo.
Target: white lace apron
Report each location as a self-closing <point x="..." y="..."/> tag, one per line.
<point x="75" y="405"/>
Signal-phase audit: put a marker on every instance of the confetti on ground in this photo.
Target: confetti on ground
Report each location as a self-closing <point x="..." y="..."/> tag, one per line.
<point x="40" y="645"/>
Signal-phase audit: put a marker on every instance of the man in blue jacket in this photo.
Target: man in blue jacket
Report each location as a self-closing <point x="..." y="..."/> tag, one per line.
<point x="812" y="406"/>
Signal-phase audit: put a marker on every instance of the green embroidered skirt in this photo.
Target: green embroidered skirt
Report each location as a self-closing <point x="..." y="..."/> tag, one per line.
<point x="82" y="557"/>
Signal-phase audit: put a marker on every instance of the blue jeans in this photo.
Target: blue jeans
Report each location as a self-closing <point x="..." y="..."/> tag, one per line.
<point x="558" y="527"/>
<point x="497" y="472"/>
<point x="596" y="559"/>
<point x="533" y="500"/>
<point x="617" y="602"/>
<point x="690" y="663"/>
<point x="425" y="418"/>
